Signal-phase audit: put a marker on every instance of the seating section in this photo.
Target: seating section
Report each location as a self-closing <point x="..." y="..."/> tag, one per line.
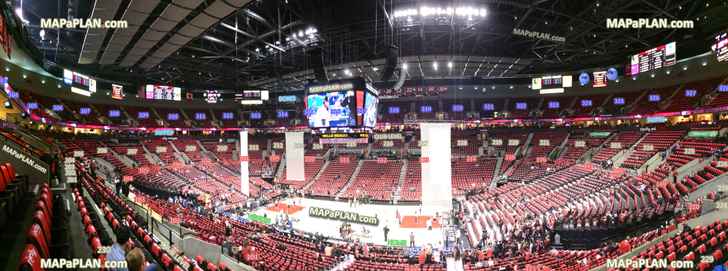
<point x="411" y="189"/>
<point x="334" y="176"/>
<point x="574" y="149"/>
<point x="709" y="173"/>
<point x="469" y="175"/>
<point x="693" y="245"/>
<point x="623" y="140"/>
<point x="691" y="149"/>
<point x="376" y="180"/>
<point x="653" y="143"/>
<point x="311" y="168"/>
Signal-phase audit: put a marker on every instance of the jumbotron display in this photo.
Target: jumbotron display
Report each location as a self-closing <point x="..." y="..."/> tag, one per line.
<point x="341" y="103"/>
<point x="720" y="47"/>
<point x="655" y="58"/>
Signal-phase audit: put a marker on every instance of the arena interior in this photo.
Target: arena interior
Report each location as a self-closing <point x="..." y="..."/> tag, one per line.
<point x="292" y="135"/>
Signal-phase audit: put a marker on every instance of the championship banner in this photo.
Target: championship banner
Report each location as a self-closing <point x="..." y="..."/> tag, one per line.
<point x="541" y="159"/>
<point x="496" y="142"/>
<point x="513" y="142"/>
<point x="342" y="216"/>
<point x="462" y="142"/>
<point x="253" y="147"/>
<point x="131" y="151"/>
<point x="615" y="145"/>
<point x="190" y="148"/>
<point x="161" y="149"/>
<point x="78" y="153"/>
<point x="471" y="158"/>
<point x="544" y="142"/>
<point x="381" y="160"/>
<point x="221" y="148"/>
<point x="690" y="151"/>
<point x="510" y="157"/>
<point x="102" y="150"/>
<point x="579" y="144"/>
<point x="344" y="159"/>
<point x="309" y="159"/>
<point x="648" y="147"/>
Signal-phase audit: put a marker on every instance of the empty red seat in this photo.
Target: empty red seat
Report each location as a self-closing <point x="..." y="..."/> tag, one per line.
<point x="35" y="237"/>
<point x="30" y="259"/>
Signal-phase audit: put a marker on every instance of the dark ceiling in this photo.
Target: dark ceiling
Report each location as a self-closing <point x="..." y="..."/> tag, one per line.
<point x="243" y="48"/>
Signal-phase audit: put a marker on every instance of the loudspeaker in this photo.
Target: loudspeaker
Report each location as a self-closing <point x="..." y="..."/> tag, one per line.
<point x="317" y="63"/>
<point x="390" y="62"/>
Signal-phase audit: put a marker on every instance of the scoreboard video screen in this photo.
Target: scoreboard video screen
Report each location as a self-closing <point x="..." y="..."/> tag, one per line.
<point x="341" y="103"/>
<point x="80" y="84"/>
<point x="551" y="84"/>
<point x="655" y="58"/>
<point x="159" y="92"/>
<point x="720" y="47"/>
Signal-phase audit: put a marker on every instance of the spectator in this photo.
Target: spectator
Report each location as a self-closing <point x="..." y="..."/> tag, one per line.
<point x="412" y="239"/>
<point x="120" y="248"/>
<point x="135" y="260"/>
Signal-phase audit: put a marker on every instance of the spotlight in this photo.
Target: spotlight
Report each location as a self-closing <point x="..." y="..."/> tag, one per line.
<point x="404" y="66"/>
<point x="7" y="104"/>
<point x="434" y="65"/>
<point x="449" y="64"/>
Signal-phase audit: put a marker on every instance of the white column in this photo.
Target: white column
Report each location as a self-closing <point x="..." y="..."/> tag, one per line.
<point x="244" y="161"/>
<point x="436" y="169"/>
<point x="294" y="156"/>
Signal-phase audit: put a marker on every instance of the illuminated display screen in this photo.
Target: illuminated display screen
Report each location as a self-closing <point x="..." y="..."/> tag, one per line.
<point x="255" y="115"/>
<point x="287" y="99"/>
<point x="691" y="93"/>
<point x="654" y="97"/>
<point x="172" y="116"/>
<point x="457" y="108"/>
<point x="425" y="109"/>
<point x="282" y="114"/>
<point x="157" y="92"/>
<point x="143" y="115"/>
<point x="32" y="106"/>
<point x="720" y="47"/>
<point x="619" y="101"/>
<point x="57" y="107"/>
<point x="722" y="88"/>
<point x="84" y="111"/>
<point x="371" y="103"/>
<point x="521" y="106"/>
<point x="393" y="110"/>
<point x="212" y="96"/>
<point x="200" y="116"/>
<point x="82" y="83"/>
<point x="655" y="58"/>
<point x="117" y="92"/>
<point x="554" y="105"/>
<point x="331" y="109"/>
<point x="114" y="113"/>
<point x="586" y="103"/>
<point x="488" y="107"/>
<point x="227" y="115"/>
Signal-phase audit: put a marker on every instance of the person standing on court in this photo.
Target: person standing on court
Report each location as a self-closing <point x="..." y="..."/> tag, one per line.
<point x="412" y="239"/>
<point x="386" y="232"/>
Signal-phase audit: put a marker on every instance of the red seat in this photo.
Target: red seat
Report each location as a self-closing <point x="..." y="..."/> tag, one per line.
<point x="166" y="260"/>
<point x="155" y="250"/>
<point x="35" y="237"/>
<point x="30" y="258"/>
<point x="95" y="244"/>
<point x="717" y="254"/>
